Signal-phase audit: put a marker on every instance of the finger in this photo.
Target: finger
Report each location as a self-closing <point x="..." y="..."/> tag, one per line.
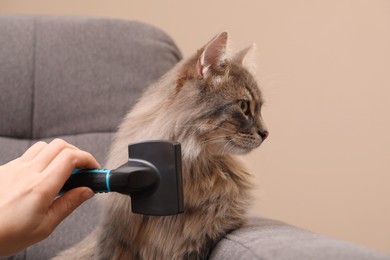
<point x="65" y="205"/>
<point x="50" y="151"/>
<point x="33" y="150"/>
<point x="62" y="166"/>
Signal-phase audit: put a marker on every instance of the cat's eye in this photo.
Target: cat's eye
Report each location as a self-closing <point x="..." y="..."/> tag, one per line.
<point x="244" y="106"/>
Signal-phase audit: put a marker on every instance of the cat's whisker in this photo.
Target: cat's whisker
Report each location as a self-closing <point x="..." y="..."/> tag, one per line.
<point x="225" y="147"/>
<point x="217" y="138"/>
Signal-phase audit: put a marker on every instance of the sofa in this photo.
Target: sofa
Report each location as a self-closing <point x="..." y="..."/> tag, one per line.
<point x="75" y="78"/>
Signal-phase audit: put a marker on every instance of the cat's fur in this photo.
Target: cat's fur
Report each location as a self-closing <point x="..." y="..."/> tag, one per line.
<point x="211" y="104"/>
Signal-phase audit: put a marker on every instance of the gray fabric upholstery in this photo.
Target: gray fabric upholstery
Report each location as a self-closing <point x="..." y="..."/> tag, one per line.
<point x="75" y="78"/>
<point x="97" y="67"/>
<point x="268" y="239"/>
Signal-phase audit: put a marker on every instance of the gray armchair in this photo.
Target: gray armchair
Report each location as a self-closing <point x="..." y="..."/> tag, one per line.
<point x="75" y="78"/>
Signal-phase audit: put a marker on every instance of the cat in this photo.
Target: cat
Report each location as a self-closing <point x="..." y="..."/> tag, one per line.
<point x="211" y="104"/>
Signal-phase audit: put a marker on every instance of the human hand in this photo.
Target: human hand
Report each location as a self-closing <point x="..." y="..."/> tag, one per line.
<point x="29" y="185"/>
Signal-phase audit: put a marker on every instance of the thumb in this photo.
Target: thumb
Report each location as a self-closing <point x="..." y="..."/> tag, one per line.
<point x="64" y="205"/>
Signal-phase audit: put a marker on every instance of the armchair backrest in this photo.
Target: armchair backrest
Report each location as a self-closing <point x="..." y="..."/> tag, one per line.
<point x="66" y="75"/>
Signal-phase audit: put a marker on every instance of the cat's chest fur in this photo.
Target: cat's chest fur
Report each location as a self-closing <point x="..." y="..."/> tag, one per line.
<point x="214" y="181"/>
<point x="216" y="197"/>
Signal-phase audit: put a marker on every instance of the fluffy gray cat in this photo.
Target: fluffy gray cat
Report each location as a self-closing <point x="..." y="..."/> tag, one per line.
<point x="211" y="104"/>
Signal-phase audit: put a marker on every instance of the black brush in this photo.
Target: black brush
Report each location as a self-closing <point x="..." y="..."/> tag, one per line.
<point x="152" y="177"/>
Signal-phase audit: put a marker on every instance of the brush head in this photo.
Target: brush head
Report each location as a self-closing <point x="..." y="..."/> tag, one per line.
<point x="166" y="198"/>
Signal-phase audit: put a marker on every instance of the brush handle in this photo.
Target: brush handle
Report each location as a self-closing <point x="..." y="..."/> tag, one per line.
<point x="96" y="179"/>
<point x="136" y="177"/>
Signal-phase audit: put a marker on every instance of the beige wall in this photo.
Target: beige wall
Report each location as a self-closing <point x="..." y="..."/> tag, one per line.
<point x="325" y="69"/>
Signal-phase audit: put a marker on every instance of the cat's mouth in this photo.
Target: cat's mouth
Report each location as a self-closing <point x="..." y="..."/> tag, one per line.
<point x="243" y="143"/>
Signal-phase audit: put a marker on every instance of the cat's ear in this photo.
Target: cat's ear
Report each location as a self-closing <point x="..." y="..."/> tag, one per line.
<point x="246" y="58"/>
<point x="213" y="55"/>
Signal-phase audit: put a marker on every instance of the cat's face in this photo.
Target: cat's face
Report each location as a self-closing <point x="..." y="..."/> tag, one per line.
<point x="234" y="116"/>
<point x="226" y="114"/>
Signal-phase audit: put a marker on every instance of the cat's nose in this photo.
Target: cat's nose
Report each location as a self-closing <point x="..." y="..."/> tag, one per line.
<point x="263" y="133"/>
